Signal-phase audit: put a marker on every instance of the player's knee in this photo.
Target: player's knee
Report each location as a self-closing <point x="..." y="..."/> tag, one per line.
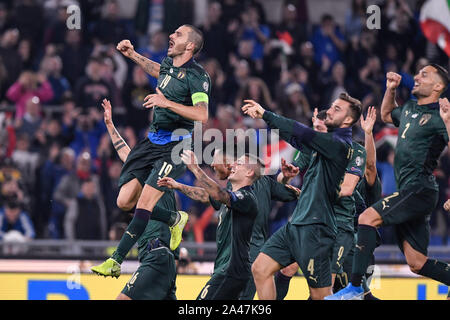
<point x="258" y="269"/>
<point x="124" y="204"/>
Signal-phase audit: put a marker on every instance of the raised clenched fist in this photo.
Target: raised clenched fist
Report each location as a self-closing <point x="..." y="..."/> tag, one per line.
<point x="393" y="80"/>
<point x="125" y="47"/>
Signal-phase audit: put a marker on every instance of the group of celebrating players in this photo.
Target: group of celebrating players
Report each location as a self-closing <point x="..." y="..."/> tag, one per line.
<point x="332" y="233"/>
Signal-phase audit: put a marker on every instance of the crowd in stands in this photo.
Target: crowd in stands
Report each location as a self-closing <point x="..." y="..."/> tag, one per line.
<point x="58" y="168"/>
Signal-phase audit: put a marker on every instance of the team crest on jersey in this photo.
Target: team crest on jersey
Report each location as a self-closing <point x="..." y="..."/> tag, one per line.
<point x="425" y="118"/>
<point x="181" y="74"/>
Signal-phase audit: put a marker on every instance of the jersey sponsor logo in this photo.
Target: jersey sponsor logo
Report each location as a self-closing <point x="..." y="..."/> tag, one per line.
<point x="425" y="118"/>
<point x="205" y="86"/>
<point x="171" y="70"/>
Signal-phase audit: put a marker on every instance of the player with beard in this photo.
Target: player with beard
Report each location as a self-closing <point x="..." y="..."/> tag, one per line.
<point x="422" y="137"/>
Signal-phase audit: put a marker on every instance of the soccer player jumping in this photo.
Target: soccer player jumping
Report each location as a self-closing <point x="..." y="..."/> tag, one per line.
<point x="422" y="136"/>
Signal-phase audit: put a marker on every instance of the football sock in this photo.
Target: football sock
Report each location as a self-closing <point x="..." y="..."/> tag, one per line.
<point x="367" y="240"/>
<point x="282" y="285"/>
<point x="132" y="234"/>
<point x="436" y="270"/>
<point x="163" y="215"/>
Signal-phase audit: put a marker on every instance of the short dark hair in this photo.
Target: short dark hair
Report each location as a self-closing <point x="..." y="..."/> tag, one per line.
<point x="196" y="37"/>
<point x="322" y="115"/>
<point x="257" y="165"/>
<point x="355" y="106"/>
<point x="442" y="73"/>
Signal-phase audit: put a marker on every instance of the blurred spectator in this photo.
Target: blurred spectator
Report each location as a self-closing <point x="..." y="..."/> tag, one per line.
<point x="51" y="67"/>
<point x="11" y="60"/>
<point x="355" y="19"/>
<point x="155" y="51"/>
<point x="26" y="53"/>
<point x="55" y="31"/>
<point x="290" y="29"/>
<point x="328" y="41"/>
<point x="15" y="224"/>
<point x="88" y="131"/>
<point x="60" y="163"/>
<point x="29" y="85"/>
<point x="66" y="192"/>
<point x="237" y="80"/>
<point x="110" y="29"/>
<point x="74" y="55"/>
<point x="215" y="35"/>
<point x="86" y="217"/>
<point x="386" y="172"/>
<point x="218" y="78"/>
<point x="10" y="186"/>
<point x="29" y="16"/>
<point x="32" y="119"/>
<point x="26" y="161"/>
<point x="109" y="181"/>
<point x="257" y="90"/>
<point x="295" y="105"/>
<point x="134" y="91"/>
<point x="91" y="89"/>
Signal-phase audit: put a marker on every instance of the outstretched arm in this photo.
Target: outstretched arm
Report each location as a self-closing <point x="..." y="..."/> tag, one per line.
<point x="118" y="142"/>
<point x="369" y="144"/>
<point x="149" y="66"/>
<point x="211" y="187"/>
<point x="195" y="193"/>
<point x="445" y="115"/>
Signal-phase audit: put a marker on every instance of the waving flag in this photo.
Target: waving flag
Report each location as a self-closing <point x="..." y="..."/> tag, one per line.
<point x="435" y="23"/>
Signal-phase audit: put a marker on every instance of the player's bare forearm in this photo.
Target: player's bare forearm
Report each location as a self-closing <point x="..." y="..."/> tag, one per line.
<point x="387" y="105"/>
<point x="348" y="185"/>
<point x="211" y="187"/>
<point x="149" y="66"/>
<point x="198" y="112"/>
<point x="195" y="193"/>
<point x="118" y="142"/>
<point x="371" y="158"/>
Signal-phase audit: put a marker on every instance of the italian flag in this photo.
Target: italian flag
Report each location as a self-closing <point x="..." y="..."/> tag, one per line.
<point x="435" y="23"/>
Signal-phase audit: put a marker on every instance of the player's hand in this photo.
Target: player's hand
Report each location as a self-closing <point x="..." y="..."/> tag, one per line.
<point x="126" y="48"/>
<point x="155" y="100"/>
<point x="315" y="113"/>
<point x="393" y="80"/>
<point x="190" y="160"/>
<point x="295" y="189"/>
<point x="168" y="183"/>
<point x="447" y="205"/>
<point x="367" y="124"/>
<point x="288" y="170"/>
<point x="445" y="110"/>
<point x="253" y="109"/>
<point x="107" y="114"/>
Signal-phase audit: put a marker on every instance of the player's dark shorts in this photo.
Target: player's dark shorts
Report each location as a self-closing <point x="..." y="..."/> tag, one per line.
<point x="250" y="289"/>
<point x="222" y="286"/>
<point x="155" y="278"/>
<point x="148" y="162"/>
<point x="345" y="241"/>
<point x="410" y="211"/>
<point x="311" y="246"/>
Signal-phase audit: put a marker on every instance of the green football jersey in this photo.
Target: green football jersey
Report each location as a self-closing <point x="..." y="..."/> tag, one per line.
<point x="234" y="231"/>
<point x="302" y="158"/>
<point x="422" y="137"/>
<point x="156" y="229"/>
<point x="187" y="85"/>
<point x="330" y="155"/>
<point x="266" y="189"/>
<point x="345" y="206"/>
